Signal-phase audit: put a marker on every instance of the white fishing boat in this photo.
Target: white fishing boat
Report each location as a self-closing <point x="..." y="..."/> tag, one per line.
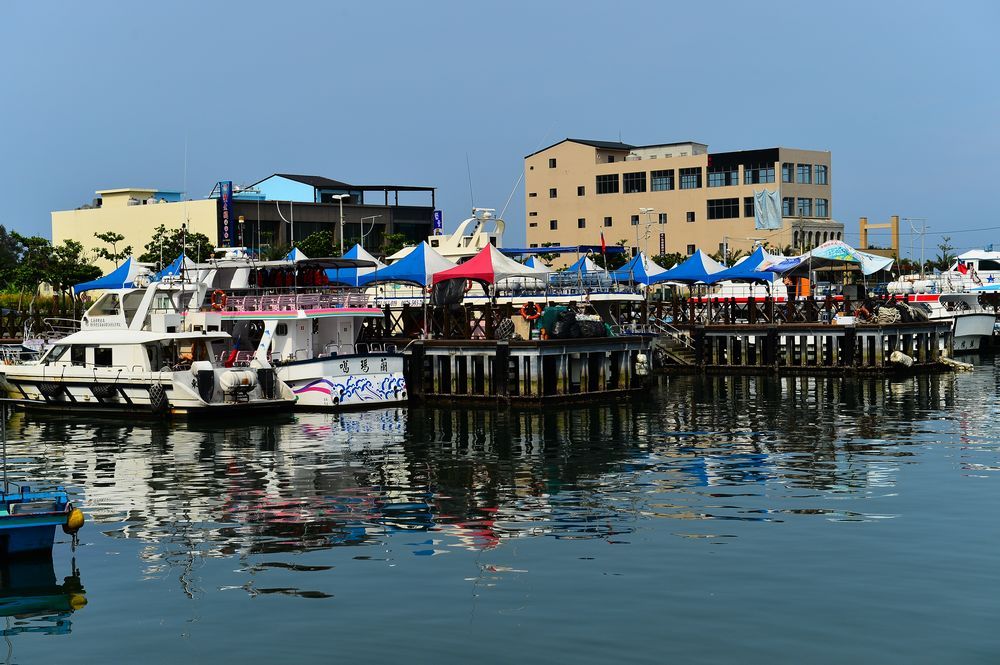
<point x="972" y="324"/>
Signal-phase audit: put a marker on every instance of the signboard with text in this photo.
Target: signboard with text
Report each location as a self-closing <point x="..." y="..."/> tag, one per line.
<point x="438" y="222"/>
<point x="226" y="196"/>
<point x="663" y="243"/>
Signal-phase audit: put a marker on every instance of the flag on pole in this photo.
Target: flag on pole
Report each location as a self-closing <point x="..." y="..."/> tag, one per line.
<point x="962" y="268"/>
<point x="604" y="251"/>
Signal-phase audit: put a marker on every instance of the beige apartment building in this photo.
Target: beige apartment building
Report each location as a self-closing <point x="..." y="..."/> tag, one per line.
<point x="674" y="197"/>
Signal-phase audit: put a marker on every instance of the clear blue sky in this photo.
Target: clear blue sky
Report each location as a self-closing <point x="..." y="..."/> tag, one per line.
<point x="104" y="94"/>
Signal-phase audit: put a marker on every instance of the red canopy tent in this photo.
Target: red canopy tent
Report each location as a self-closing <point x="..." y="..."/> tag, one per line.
<point x="488" y="267"/>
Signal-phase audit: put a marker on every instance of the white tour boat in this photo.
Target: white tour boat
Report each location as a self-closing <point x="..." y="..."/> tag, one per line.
<point x="310" y="333"/>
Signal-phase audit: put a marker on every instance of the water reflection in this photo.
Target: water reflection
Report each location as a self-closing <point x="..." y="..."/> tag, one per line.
<point x="425" y="481"/>
<point x="31" y="601"/>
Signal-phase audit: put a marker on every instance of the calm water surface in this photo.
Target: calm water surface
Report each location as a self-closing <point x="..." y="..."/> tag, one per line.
<point x="716" y="520"/>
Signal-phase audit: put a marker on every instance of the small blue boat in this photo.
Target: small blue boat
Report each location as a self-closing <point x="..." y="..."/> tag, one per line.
<point x="28" y="520"/>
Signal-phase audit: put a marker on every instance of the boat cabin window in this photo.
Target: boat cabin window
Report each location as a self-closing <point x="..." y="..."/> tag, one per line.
<point x="106" y="305"/>
<point x="281" y="329"/>
<point x="54" y="354"/>
<point x="102" y="356"/>
<point x="192" y="350"/>
<point x="156" y="356"/>
<point x="131" y="304"/>
<point x="989" y="264"/>
<point x="78" y="355"/>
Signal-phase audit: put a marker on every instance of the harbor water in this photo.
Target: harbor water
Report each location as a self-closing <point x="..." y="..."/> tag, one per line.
<point x="714" y="520"/>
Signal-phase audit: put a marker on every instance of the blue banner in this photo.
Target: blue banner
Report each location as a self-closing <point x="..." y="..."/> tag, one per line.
<point x="438" y="222"/>
<point x="226" y="196"/>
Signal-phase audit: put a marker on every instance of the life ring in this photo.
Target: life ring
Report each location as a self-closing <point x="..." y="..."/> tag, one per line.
<point x="219" y="300"/>
<point x="530" y="311"/>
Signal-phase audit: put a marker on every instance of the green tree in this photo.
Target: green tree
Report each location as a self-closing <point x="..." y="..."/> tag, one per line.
<point x="112" y="238"/>
<point x="9" y="255"/>
<point x="668" y="260"/>
<point x="69" y="267"/>
<point x="165" y="246"/>
<point x="318" y="244"/>
<point x="393" y="242"/>
<point x="945" y="256"/>
<point x="34" y="264"/>
<point x="614" y="261"/>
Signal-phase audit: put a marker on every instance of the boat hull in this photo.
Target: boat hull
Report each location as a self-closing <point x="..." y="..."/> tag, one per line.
<point x="154" y="394"/>
<point x="971" y="331"/>
<point x="350" y="381"/>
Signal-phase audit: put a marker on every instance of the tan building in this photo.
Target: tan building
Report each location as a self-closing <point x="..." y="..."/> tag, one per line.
<point x="134" y="213"/>
<point x="674" y="197"/>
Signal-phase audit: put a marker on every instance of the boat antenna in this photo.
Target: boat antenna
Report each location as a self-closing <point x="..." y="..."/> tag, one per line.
<point x="520" y="175"/>
<point x="468" y="168"/>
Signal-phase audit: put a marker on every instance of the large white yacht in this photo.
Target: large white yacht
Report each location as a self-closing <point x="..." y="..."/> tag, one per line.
<point x="135" y="352"/>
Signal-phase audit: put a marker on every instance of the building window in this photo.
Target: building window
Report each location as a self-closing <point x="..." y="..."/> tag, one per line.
<point x="634" y="182"/>
<point x="691" y="178"/>
<point x="690" y="215"/>
<point x="553" y="224"/>
<point x="552" y="162"/>
<point x="581" y="223"/>
<point x="748" y="210"/>
<point x="611" y="159"/>
<point x="690" y="248"/>
<point x="532" y="195"/>
<point x="552" y="193"/>
<point x="756" y="174"/>
<point x="723" y="176"/>
<point x="804" y="207"/>
<point x="635" y="220"/>
<point x="662" y="181"/>
<point x="532" y="225"/>
<point x="532" y="214"/>
<point x="787" y="172"/>
<point x="822" y="174"/>
<point x="607" y="221"/>
<point x="804" y="174"/>
<point x="581" y="190"/>
<point x="822" y="207"/>
<point x="723" y="208"/>
<point x="534" y="244"/>
<point x="663" y="218"/>
<point x="607" y="184"/>
<point x="788" y="207"/>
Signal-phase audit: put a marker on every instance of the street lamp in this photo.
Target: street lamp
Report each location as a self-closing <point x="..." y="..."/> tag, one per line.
<point x="363" y="234"/>
<point x="647" y="212"/>
<point x="340" y="198"/>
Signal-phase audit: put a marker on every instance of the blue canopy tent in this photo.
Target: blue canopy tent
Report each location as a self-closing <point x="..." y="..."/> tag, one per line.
<point x="583" y="266"/>
<point x="747" y="270"/>
<point x="174" y="269"/>
<point x="699" y="267"/>
<point x="832" y="253"/>
<point x="534" y="262"/>
<point x="417" y="267"/>
<point x="122" y="277"/>
<point x="295" y="255"/>
<point x="354" y="276"/>
<point x="640" y="269"/>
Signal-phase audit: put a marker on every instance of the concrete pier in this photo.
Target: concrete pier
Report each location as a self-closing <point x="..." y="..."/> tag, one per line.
<point x="525" y="371"/>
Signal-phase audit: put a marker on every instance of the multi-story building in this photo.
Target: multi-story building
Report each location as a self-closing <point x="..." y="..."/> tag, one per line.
<point x="675" y="197"/>
<point x="276" y="211"/>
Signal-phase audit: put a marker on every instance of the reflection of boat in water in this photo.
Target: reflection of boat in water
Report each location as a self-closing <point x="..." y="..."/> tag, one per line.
<point x="30" y="595"/>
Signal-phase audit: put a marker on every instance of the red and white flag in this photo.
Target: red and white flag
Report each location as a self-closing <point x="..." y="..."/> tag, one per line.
<point x="962" y="268"/>
<point x="604" y="246"/>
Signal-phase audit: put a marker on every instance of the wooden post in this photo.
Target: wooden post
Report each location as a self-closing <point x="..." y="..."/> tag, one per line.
<point x="850" y="340"/>
<point x="415" y="376"/>
<point x="500" y="378"/>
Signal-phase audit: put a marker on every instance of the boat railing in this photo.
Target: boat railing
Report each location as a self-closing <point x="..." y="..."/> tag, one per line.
<point x="291" y="302"/>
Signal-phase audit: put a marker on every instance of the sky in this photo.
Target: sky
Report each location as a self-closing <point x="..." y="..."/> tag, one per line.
<point x="179" y="95"/>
